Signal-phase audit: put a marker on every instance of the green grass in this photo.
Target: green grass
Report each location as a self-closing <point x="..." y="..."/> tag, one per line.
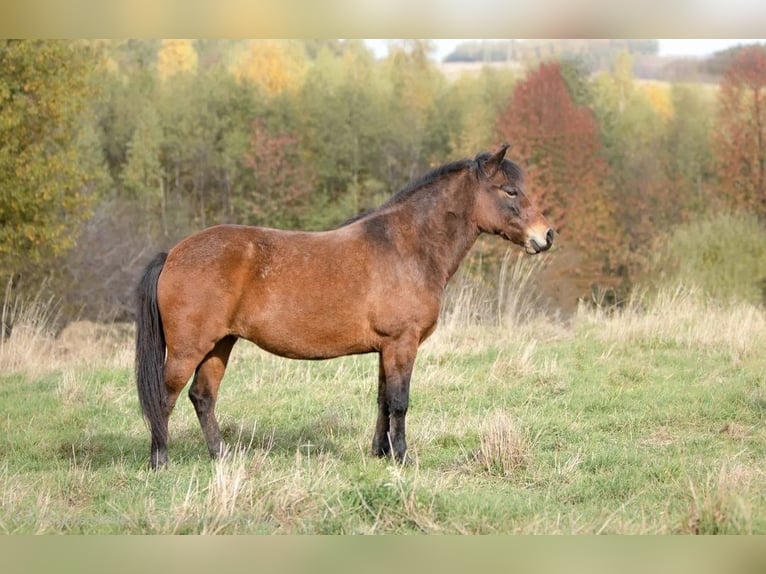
<point x="647" y="421"/>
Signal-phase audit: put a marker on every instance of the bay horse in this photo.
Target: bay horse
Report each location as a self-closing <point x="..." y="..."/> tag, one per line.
<point x="373" y="285"/>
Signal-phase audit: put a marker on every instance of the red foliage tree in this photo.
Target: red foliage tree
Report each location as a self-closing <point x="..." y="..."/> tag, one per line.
<point x="556" y="141"/>
<point x="739" y="140"/>
<point x="283" y="181"/>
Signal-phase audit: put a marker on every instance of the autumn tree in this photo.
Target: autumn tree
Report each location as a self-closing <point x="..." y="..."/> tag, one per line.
<point x="283" y="181"/>
<point x="274" y="66"/>
<point x="740" y="130"/>
<point x="633" y="132"/>
<point x="46" y="181"/>
<point x="557" y="143"/>
<point x="176" y="56"/>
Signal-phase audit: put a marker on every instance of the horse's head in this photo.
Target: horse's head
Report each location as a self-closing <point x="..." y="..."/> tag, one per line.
<point x="502" y="207"/>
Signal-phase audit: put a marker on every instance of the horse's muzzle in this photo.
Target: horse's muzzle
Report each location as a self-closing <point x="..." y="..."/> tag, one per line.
<point x="538" y="243"/>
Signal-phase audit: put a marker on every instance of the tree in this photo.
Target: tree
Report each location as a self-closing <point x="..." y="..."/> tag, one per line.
<point x="273" y="66"/>
<point x="205" y="122"/>
<point x="740" y="135"/>
<point x="283" y="181"/>
<point x="176" y="56"/>
<point x="340" y="114"/>
<point x="633" y="132"/>
<point x="462" y="118"/>
<point x="687" y="150"/>
<point x="557" y="142"/>
<point x="415" y="83"/>
<point x="45" y="178"/>
<point x="142" y="176"/>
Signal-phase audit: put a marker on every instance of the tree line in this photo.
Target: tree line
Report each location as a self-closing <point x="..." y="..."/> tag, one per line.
<point x="111" y="150"/>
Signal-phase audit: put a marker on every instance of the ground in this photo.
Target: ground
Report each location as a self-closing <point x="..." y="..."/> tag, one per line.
<point x="644" y="420"/>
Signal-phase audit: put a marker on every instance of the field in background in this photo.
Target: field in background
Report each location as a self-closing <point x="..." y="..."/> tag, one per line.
<point x="647" y="419"/>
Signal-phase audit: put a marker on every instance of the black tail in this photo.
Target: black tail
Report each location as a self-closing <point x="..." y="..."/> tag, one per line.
<point x="150" y="351"/>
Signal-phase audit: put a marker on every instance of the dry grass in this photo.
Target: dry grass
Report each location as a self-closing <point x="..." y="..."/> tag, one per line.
<point x="518" y="302"/>
<point x="29" y="347"/>
<point x="505" y="449"/>
<point x="684" y="317"/>
<point x="472" y="317"/>
<point x="34" y="347"/>
<point x="718" y="504"/>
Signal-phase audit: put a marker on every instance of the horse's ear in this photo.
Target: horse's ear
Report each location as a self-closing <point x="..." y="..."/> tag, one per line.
<point x="493" y="163"/>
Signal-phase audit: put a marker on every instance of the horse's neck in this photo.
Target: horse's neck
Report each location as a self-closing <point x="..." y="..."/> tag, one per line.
<point x="444" y="232"/>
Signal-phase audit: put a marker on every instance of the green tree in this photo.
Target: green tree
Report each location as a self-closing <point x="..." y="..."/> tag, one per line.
<point x="142" y="176"/>
<point x="632" y="132"/>
<point x="687" y="151"/>
<point x="341" y="119"/>
<point x="46" y="182"/>
<point x="415" y="84"/>
<point x="461" y="122"/>
<point x="205" y="120"/>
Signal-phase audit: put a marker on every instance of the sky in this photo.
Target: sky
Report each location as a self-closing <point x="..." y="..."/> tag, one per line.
<point x="668" y="47"/>
<point x="697" y="47"/>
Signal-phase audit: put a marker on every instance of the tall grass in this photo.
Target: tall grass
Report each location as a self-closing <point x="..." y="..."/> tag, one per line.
<point x="682" y="316"/>
<point x="26" y="331"/>
<point x="509" y="301"/>
<point x="518" y="301"/>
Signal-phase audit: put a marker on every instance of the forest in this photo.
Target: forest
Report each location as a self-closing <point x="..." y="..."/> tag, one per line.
<point x="111" y="150"/>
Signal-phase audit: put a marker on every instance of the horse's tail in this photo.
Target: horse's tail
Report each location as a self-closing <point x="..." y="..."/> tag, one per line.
<point x="150" y="350"/>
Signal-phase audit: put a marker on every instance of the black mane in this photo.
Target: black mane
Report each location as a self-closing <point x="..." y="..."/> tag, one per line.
<point x="511" y="170"/>
<point x="425" y="180"/>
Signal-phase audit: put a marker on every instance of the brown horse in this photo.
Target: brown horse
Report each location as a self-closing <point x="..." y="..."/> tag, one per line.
<point x="373" y="285"/>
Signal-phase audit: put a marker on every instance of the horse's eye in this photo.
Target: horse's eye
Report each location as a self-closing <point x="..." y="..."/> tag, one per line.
<point x="510" y="191"/>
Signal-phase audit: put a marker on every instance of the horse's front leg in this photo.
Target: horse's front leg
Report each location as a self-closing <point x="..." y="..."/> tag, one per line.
<point x="397" y="360"/>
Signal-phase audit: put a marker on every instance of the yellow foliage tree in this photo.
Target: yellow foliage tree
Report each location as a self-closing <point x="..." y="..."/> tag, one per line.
<point x="176" y="56"/>
<point x="274" y="66"/>
<point x="659" y="98"/>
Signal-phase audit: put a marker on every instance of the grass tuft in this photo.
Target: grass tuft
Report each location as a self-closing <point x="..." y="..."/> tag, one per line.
<point x="716" y="504"/>
<point x="505" y="449"/>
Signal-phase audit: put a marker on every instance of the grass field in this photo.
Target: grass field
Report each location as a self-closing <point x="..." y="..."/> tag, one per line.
<point x="649" y="420"/>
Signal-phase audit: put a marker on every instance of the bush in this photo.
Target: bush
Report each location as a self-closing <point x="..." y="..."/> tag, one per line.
<point x="724" y="256"/>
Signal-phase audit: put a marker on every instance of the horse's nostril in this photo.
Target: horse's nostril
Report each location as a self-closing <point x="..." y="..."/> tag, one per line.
<point x="549" y="237"/>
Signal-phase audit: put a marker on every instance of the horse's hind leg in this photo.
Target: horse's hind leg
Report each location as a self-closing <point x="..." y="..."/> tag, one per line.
<point x="381" y="445"/>
<point x="177" y="371"/>
<point x="204" y="392"/>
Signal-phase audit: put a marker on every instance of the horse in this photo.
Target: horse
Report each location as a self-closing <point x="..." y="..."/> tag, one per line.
<point x="372" y="285"/>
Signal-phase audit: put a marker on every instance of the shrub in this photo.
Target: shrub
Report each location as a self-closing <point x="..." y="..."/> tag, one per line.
<point x="724" y="256"/>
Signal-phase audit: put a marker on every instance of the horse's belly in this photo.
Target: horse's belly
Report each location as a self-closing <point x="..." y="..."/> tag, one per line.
<point x="296" y="345"/>
<point x="302" y="334"/>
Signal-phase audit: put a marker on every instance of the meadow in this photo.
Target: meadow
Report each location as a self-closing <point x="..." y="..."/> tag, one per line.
<point x="647" y="419"/>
